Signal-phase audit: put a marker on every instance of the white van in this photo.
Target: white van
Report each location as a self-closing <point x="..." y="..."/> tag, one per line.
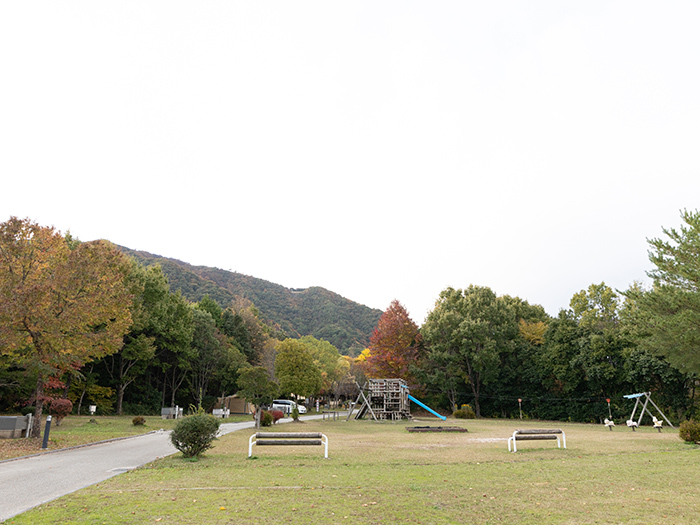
<point x="287" y="405"/>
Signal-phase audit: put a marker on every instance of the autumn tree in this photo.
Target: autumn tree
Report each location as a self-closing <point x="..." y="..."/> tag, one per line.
<point x="394" y="345"/>
<point x="62" y="302"/>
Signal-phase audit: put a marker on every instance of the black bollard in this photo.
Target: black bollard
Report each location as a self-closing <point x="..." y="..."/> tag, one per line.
<point x="46" y="432"/>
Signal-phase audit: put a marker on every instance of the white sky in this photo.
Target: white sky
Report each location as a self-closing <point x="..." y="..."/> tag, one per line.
<point x="381" y="150"/>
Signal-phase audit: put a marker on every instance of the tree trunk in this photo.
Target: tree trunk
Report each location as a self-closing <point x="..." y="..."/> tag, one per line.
<point x="82" y="395"/>
<point x="120" y="397"/>
<point x="475" y="391"/>
<point x="38" y="412"/>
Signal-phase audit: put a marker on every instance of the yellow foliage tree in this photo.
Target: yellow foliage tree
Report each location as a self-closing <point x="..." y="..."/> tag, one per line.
<point x="62" y="302"/>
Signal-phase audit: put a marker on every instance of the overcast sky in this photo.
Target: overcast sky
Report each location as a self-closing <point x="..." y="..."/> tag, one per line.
<point x="383" y="150"/>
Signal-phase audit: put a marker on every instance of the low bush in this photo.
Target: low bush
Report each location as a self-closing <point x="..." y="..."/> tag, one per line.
<point x="689" y="431"/>
<point x="138" y="421"/>
<point x="266" y="419"/>
<point x="60" y="408"/>
<point x="28" y="410"/>
<point x="295" y="414"/>
<point x="276" y="415"/>
<point x="195" y="434"/>
<point x="466" y="412"/>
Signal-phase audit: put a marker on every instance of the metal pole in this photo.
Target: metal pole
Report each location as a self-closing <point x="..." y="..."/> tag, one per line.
<point x="520" y="405"/>
<point x="46" y="432"/>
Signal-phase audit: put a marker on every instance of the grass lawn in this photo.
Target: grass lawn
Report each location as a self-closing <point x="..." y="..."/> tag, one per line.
<point x="80" y="430"/>
<point x="379" y="473"/>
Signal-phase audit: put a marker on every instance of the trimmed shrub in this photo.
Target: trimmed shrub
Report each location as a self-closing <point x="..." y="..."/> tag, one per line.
<point x="295" y="414"/>
<point x="266" y="419"/>
<point x="195" y="434"/>
<point x="466" y="412"/>
<point x="689" y="431"/>
<point x="60" y="408"/>
<point x="276" y="415"/>
<point x="138" y="421"/>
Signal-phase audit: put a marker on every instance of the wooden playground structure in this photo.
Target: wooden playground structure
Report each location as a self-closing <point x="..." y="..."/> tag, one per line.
<point x="386" y="399"/>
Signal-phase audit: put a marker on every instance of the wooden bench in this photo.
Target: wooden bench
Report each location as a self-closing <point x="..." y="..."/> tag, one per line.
<point x="533" y="434"/>
<point x="287" y="439"/>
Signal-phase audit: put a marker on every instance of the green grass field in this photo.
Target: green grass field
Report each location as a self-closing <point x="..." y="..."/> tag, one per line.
<point x="380" y="473"/>
<point x="80" y="430"/>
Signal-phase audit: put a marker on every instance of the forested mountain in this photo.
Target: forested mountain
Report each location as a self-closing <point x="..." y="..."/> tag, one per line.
<point x="312" y="311"/>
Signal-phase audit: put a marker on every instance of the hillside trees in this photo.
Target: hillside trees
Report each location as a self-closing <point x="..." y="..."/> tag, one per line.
<point x="61" y="303"/>
<point x="394" y="345"/>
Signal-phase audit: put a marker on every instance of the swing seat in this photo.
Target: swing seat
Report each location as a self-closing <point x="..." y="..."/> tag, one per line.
<point x="610" y="424"/>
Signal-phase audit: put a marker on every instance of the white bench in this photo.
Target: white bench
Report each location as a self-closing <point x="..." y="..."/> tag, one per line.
<point x="287" y="439"/>
<point x="536" y="434"/>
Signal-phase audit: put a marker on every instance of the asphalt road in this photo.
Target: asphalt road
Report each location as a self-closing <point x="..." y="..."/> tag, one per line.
<point x="31" y="481"/>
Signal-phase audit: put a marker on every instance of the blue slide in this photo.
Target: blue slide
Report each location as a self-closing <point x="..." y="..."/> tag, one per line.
<point x="426" y="407"/>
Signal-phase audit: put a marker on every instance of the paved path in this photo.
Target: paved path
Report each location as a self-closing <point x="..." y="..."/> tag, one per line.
<point x="28" y="482"/>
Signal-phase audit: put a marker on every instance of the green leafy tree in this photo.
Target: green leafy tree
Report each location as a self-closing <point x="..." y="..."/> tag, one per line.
<point x="464" y="334"/>
<point x="150" y="291"/>
<point x="669" y="313"/>
<point x="62" y="303"/>
<point x="174" y="352"/>
<point x="208" y="347"/>
<point x="328" y="360"/>
<point x="256" y="386"/>
<point x="209" y="305"/>
<point x="233" y="325"/>
<point x="596" y="308"/>
<point x="295" y="369"/>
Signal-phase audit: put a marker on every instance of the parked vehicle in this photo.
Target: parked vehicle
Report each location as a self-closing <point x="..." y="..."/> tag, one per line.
<point x="287" y="405"/>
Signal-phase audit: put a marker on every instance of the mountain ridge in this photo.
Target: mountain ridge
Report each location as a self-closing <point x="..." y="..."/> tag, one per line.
<point x="297" y="312"/>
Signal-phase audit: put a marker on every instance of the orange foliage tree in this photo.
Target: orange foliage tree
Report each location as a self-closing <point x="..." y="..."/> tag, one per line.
<point x="394" y="346"/>
<point x="62" y="302"/>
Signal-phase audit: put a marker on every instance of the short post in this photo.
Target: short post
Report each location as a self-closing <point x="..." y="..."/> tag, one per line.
<point x="46" y="432"/>
<point x="520" y="405"/>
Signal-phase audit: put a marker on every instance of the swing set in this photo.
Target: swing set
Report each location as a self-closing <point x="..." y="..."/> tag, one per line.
<point x="647" y="399"/>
